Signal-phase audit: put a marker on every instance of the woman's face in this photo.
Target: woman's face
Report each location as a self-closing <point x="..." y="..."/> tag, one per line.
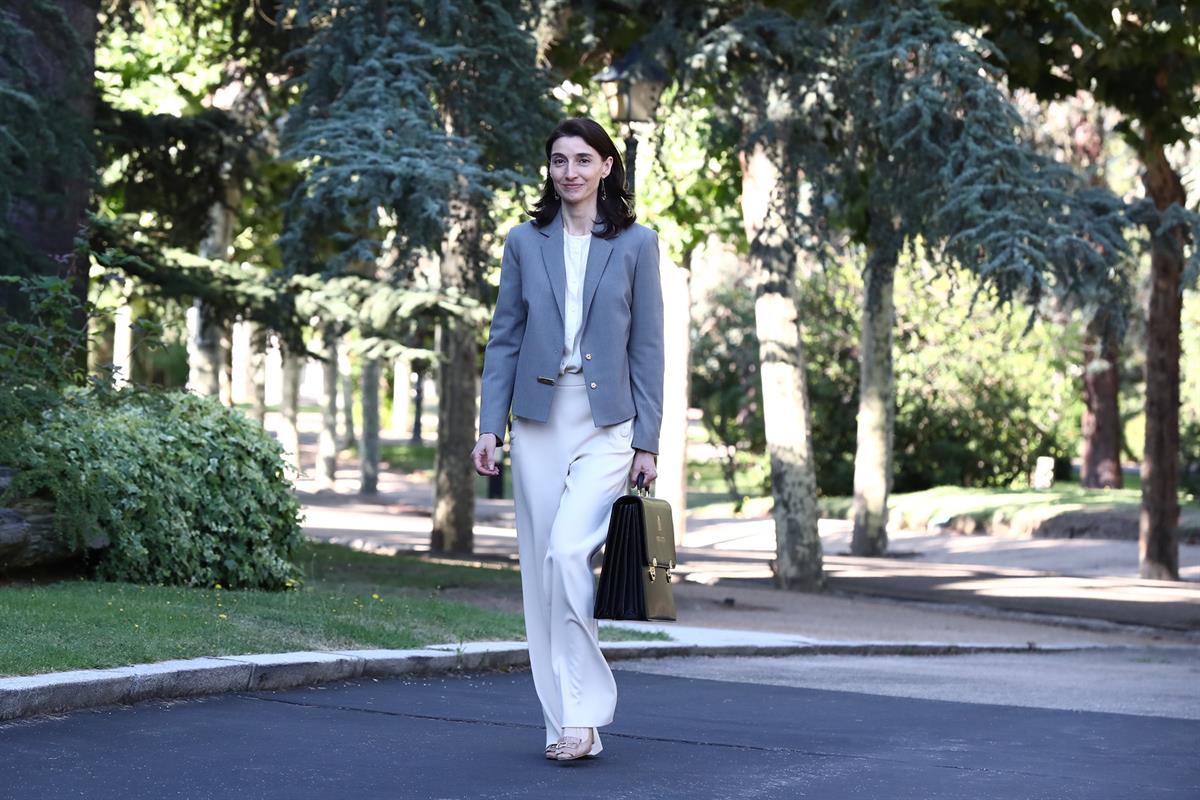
<point x="577" y="169"/>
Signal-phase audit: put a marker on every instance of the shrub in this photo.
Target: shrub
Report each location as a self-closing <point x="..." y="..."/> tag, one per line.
<point x="978" y="397"/>
<point x="184" y="490"/>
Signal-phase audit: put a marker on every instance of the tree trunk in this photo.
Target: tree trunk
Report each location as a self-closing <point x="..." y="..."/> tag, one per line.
<point x="798" y="558"/>
<point x="204" y="351"/>
<point x="454" y="476"/>
<point x="370" y="427"/>
<point x="289" y="407"/>
<point x="876" y="404"/>
<point x="671" y="484"/>
<point x="27" y="535"/>
<point x="51" y="216"/>
<point x="346" y="433"/>
<point x="122" y="355"/>
<point x="418" y="403"/>
<point x="327" y="448"/>
<point x="1100" y="454"/>
<point x="257" y="372"/>
<point x="1100" y="466"/>
<point x="1158" y="547"/>
<point x="401" y="396"/>
<point x="207" y="357"/>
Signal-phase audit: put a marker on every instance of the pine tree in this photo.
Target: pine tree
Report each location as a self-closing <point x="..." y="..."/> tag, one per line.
<point x="405" y="130"/>
<point x="1141" y="59"/>
<point x="924" y="149"/>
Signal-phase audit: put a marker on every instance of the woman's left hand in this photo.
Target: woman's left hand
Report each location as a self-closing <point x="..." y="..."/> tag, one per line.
<point x="643" y="464"/>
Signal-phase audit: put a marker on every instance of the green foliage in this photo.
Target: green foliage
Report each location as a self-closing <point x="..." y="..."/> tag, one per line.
<point x="44" y="140"/>
<point x="173" y="167"/>
<point x="829" y="306"/>
<point x="725" y="382"/>
<point x="924" y="144"/>
<point x="1189" y="458"/>
<point x="689" y="194"/>
<point x="182" y="490"/>
<point x="980" y="420"/>
<point x="727" y="387"/>
<point x="1138" y="56"/>
<point x="407" y="457"/>
<point x="43" y="353"/>
<point x="977" y="421"/>
<point x="350" y="600"/>
<point x="396" y="118"/>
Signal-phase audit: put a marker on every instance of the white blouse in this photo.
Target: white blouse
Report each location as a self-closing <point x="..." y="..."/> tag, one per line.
<point x="575" y="253"/>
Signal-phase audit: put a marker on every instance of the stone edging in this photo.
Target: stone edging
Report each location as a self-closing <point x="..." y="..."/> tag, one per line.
<point x="59" y="692"/>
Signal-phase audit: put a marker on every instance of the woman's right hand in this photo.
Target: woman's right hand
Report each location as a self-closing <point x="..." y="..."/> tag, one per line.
<point x="484" y="455"/>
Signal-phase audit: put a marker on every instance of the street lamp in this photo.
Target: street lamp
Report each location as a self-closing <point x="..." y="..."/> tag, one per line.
<point x="632" y="85"/>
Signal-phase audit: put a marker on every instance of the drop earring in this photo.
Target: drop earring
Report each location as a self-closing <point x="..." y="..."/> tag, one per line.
<point x="603" y="196"/>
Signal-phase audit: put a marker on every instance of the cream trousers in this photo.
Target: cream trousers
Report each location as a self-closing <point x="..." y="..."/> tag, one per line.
<point x="566" y="475"/>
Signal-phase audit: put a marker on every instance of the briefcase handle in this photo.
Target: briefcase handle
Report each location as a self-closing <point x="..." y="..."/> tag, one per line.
<point x="641" y="491"/>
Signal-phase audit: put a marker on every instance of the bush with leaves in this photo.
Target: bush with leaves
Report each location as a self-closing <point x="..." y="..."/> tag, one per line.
<point x="177" y="488"/>
<point x="184" y="490"/>
<point x="41" y="353"/>
<point x="725" y="381"/>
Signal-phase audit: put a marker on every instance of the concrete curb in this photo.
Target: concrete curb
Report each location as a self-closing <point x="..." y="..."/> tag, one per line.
<point x="59" y="692"/>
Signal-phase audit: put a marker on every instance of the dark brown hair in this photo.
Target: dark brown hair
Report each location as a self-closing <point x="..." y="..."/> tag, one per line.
<point x="614" y="205"/>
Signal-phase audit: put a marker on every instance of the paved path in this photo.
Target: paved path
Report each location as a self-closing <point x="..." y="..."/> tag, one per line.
<point x="675" y="737"/>
<point x="1150" y="682"/>
<point x="1086" y="579"/>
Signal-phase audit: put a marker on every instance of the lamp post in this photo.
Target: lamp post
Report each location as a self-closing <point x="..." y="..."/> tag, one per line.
<point x="633" y="85"/>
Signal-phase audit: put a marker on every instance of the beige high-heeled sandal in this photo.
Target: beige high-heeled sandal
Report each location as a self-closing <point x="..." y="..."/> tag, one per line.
<point x="569" y="748"/>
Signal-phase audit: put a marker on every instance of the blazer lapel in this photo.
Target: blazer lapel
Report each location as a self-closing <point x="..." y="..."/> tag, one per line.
<point x="556" y="267"/>
<point x="598" y="252"/>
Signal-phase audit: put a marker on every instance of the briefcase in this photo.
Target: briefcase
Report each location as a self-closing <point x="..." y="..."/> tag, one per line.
<point x="639" y="554"/>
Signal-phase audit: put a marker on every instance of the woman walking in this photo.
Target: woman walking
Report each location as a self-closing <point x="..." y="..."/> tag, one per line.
<point x="575" y="350"/>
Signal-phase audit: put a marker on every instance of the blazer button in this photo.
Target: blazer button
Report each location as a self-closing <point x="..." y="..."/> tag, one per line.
<point x="588" y="356"/>
<point x="593" y="384"/>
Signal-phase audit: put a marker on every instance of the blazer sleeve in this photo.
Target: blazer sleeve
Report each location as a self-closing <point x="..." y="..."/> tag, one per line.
<point x="646" y="347"/>
<point x="504" y="344"/>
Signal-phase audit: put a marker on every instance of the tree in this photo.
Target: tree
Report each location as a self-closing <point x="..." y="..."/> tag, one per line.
<point x="406" y="131"/>
<point x="924" y="149"/>
<point x="1140" y="58"/>
<point x="47" y="103"/>
<point x="756" y="66"/>
<point x="477" y="112"/>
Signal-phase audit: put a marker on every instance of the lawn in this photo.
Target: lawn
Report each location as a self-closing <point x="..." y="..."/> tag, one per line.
<point x="415" y="458"/>
<point x="349" y="600"/>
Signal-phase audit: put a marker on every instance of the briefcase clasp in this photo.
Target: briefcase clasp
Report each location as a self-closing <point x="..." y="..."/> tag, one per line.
<point x="654" y="567"/>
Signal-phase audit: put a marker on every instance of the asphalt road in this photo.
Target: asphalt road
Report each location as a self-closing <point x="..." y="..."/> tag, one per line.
<point x="480" y="737"/>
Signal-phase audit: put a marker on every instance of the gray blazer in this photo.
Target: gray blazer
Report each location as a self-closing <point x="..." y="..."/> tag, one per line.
<point x="621" y="338"/>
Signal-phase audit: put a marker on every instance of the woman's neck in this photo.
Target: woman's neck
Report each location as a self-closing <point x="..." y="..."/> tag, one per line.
<point x="578" y="219"/>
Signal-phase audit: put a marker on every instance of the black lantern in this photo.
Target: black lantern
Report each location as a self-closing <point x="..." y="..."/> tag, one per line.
<point x="633" y="86"/>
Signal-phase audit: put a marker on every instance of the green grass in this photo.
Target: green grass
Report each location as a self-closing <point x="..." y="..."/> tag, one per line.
<point x="349" y="600"/>
<point x="708" y="492"/>
<point x="408" y="457"/>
